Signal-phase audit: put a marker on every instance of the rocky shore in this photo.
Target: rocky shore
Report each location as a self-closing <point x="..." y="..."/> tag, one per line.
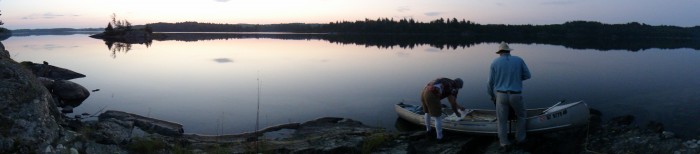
<point x="31" y="122"/>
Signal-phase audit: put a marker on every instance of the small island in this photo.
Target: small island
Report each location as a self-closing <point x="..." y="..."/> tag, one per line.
<point x="122" y="31"/>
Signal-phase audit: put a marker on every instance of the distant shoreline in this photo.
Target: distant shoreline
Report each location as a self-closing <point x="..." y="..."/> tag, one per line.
<point x="568" y="30"/>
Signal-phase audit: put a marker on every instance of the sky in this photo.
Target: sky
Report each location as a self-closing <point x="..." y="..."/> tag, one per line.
<point x="31" y="14"/>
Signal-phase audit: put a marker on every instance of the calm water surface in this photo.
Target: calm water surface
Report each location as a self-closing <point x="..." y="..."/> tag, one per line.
<point x="211" y="87"/>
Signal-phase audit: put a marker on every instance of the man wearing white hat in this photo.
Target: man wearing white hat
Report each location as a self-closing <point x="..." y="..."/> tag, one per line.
<point x="505" y="87"/>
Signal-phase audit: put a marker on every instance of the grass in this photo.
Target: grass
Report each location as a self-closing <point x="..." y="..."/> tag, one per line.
<point x="374" y="141"/>
<point x="146" y="145"/>
<point x="261" y="146"/>
<point x="218" y="149"/>
<point x="178" y="149"/>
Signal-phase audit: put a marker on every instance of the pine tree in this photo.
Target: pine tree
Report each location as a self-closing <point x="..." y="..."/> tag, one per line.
<point x="109" y="30"/>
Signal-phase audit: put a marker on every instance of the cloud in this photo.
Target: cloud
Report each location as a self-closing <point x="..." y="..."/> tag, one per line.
<point x="403" y="9"/>
<point x="222" y="0"/>
<point x="558" y="2"/>
<point x="433" y="13"/>
<point x="43" y="16"/>
<point x="223" y="60"/>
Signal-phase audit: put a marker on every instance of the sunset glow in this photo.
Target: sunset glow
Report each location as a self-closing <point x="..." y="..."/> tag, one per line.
<point x="20" y="14"/>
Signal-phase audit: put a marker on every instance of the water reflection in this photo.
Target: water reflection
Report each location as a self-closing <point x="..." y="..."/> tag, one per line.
<point x="303" y="79"/>
<point x="124" y="47"/>
<point x="410" y="41"/>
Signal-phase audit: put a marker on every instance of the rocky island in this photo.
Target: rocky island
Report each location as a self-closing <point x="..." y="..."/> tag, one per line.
<point x="33" y="96"/>
<point x="122" y="31"/>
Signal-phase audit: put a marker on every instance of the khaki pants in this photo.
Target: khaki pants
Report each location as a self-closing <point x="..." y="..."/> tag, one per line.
<point x="431" y="106"/>
<point x="503" y="103"/>
<point x="431" y="103"/>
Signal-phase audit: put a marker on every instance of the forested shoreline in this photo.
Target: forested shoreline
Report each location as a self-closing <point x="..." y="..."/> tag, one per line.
<point x="385" y="26"/>
<point x="572" y="29"/>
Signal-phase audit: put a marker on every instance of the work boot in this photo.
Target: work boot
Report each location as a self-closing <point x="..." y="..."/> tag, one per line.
<point x="430" y="135"/>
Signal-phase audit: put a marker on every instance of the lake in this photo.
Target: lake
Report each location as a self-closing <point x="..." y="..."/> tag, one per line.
<point x="214" y="85"/>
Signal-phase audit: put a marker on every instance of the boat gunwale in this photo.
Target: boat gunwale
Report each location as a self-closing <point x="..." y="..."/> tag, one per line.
<point x="446" y="123"/>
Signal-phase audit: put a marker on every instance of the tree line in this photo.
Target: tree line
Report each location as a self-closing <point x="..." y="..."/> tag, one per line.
<point x="4" y="33"/>
<point x="121" y="27"/>
<point x="572" y="29"/>
<point x="1" y="23"/>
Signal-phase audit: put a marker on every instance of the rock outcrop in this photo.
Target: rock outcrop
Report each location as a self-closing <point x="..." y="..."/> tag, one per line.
<point x="51" y="72"/>
<point x="147" y="124"/>
<point x="29" y="118"/>
<point x="67" y="94"/>
<point x="139" y="36"/>
<point x="4" y="53"/>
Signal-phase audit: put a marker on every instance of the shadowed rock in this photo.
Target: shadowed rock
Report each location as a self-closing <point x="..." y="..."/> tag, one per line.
<point x="4" y="53"/>
<point x="51" y="72"/>
<point x="29" y="120"/>
<point x="70" y="93"/>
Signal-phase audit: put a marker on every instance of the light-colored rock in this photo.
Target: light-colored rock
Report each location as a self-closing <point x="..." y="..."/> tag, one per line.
<point x="60" y="148"/>
<point x="74" y="151"/>
<point x="113" y="131"/>
<point x="692" y="144"/>
<point x="92" y="147"/>
<point x="48" y="149"/>
<point x="147" y="124"/>
<point x="68" y="137"/>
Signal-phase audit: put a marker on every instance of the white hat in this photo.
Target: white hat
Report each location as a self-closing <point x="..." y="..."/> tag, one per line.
<point x="504" y="48"/>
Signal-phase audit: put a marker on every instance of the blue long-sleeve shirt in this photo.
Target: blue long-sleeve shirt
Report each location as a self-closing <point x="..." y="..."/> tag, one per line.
<point x="507" y="74"/>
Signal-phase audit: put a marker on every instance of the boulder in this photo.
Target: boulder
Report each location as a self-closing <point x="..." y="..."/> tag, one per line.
<point x="51" y="72"/>
<point x="4" y="53"/>
<point x="69" y="93"/>
<point x="113" y="131"/>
